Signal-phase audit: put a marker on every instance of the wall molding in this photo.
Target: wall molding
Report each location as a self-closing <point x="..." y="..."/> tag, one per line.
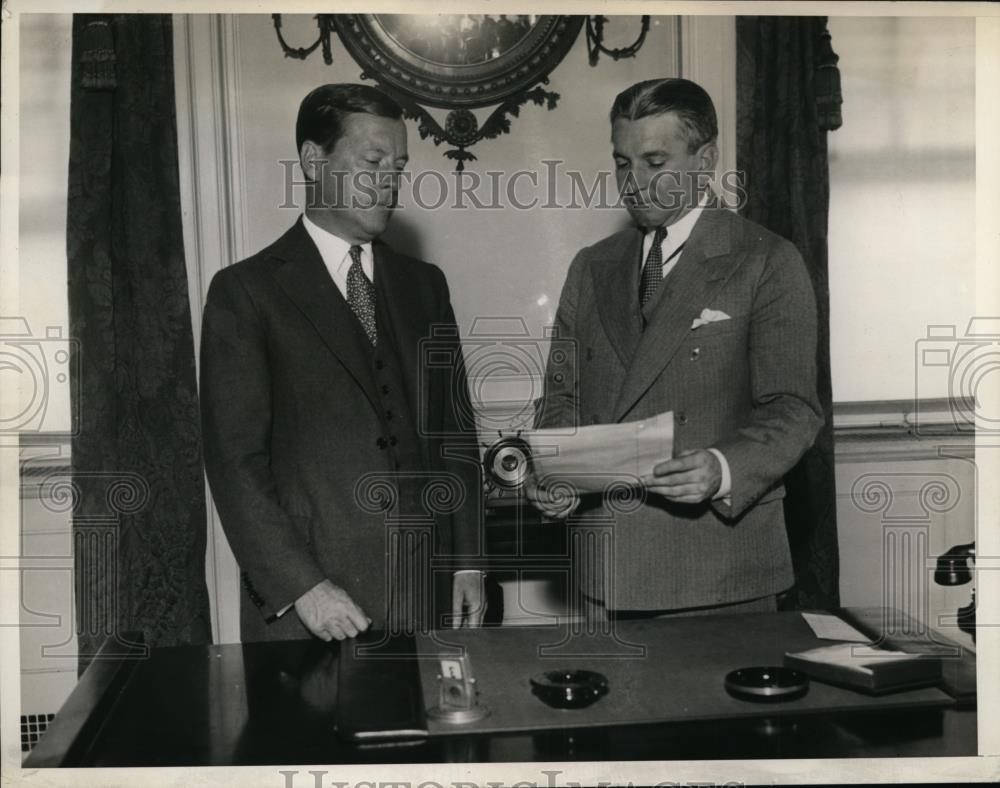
<point x="212" y="165"/>
<point x="35" y="472"/>
<point x="40" y="455"/>
<point x="706" y="48"/>
<point x="900" y="430"/>
<point x="932" y="416"/>
<point x="227" y="30"/>
<point x="903" y="449"/>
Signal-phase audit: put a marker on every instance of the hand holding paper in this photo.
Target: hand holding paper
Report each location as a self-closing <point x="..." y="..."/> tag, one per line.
<point x="557" y="502"/>
<point x="637" y="453"/>
<point x="592" y="458"/>
<point x="692" y="477"/>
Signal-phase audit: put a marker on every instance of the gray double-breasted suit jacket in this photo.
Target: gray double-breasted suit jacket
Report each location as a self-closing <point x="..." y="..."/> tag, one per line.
<point x="745" y="386"/>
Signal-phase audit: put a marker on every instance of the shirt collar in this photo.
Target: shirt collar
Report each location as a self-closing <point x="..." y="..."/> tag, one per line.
<point x="334" y="250"/>
<point x="679" y="231"/>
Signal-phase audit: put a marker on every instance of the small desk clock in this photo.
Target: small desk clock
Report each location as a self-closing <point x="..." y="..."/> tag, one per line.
<point x="458" y="697"/>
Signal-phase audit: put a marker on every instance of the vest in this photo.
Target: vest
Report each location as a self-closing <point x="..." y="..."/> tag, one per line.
<point x="409" y="532"/>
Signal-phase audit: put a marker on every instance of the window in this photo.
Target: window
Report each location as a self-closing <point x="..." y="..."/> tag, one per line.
<point x="45" y="52"/>
<point x="902" y="199"/>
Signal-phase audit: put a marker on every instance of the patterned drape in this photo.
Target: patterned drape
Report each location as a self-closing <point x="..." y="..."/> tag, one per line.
<point x="787" y="98"/>
<point x="139" y="517"/>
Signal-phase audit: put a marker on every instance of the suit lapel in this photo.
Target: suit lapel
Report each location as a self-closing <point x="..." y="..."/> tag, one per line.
<point x="706" y="263"/>
<point x="305" y="279"/>
<point x="616" y="282"/>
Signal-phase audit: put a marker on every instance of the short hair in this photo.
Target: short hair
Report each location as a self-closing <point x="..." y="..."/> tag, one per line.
<point x="322" y="112"/>
<point x="693" y="106"/>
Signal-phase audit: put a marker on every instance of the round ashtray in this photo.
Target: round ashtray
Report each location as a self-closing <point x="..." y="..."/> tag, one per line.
<point x="569" y="689"/>
<point x="766" y="684"/>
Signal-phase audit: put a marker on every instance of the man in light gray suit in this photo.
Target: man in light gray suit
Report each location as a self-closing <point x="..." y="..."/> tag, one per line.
<point x="701" y="312"/>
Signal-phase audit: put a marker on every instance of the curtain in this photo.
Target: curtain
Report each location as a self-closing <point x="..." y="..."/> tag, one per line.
<point x="787" y="99"/>
<point x="139" y="520"/>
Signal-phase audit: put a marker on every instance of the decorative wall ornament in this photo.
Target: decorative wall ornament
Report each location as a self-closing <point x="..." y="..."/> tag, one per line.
<point x="595" y="40"/>
<point x="460" y="62"/>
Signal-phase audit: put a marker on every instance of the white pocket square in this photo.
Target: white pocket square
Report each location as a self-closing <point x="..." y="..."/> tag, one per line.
<point x="708" y="316"/>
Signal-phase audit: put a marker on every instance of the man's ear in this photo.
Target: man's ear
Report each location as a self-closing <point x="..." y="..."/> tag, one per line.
<point x="708" y="156"/>
<point x="311" y="159"/>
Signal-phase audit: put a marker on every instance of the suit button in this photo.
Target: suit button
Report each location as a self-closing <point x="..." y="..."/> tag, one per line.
<point x="695" y="352"/>
<point x="385" y="389"/>
<point x="388" y="415"/>
<point x="379" y="363"/>
<point x="682" y="418"/>
<point x="381" y="443"/>
<point x="393" y="441"/>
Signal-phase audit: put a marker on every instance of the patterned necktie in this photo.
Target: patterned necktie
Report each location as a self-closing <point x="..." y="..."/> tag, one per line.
<point x="652" y="272"/>
<point x="361" y="294"/>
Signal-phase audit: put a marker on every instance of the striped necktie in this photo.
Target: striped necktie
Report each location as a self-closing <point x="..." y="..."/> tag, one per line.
<point x="361" y="295"/>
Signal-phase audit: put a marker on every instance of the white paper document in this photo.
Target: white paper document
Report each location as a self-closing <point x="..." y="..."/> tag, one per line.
<point x="600" y="455"/>
<point x="846" y="655"/>
<point x="827" y="626"/>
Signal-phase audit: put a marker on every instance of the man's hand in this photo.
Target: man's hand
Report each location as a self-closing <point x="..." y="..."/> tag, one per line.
<point x="329" y="612"/>
<point x="558" y="503"/>
<point x="468" y="603"/>
<point x="691" y="477"/>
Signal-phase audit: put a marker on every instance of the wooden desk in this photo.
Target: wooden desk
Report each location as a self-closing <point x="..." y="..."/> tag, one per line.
<point x="270" y="703"/>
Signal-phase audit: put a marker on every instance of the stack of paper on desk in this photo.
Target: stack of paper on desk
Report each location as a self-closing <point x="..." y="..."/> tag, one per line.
<point x="828" y="626"/>
<point x="594" y="457"/>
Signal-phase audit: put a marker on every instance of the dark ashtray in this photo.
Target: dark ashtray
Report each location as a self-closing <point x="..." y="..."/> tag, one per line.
<point x="766" y="684"/>
<point x="569" y="689"/>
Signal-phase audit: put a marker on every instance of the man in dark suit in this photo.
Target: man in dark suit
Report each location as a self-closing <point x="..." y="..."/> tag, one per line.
<point x="701" y="312"/>
<point x="325" y="434"/>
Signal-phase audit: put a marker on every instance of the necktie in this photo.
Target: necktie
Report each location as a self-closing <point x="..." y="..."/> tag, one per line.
<point x="361" y="294"/>
<point x="652" y="271"/>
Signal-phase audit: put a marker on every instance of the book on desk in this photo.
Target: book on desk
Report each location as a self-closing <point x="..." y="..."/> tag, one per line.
<point x="864" y="667"/>
<point x="893" y="655"/>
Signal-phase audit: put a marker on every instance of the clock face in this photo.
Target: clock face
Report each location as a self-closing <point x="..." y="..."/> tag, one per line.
<point x="457" y="39"/>
<point x="451" y="669"/>
<point x="458" y="60"/>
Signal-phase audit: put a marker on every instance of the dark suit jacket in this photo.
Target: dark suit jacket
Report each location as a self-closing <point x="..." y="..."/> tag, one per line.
<point x="291" y="423"/>
<point x="746" y="386"/>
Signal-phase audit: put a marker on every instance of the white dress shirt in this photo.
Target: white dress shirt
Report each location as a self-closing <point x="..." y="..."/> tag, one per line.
<point x="336" y="254"/>
<point x="677" y="234"/>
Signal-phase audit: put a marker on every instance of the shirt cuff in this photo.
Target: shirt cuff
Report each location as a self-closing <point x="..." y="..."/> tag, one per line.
<point x="464" y="571"/>
<point x="726" y="486"/>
